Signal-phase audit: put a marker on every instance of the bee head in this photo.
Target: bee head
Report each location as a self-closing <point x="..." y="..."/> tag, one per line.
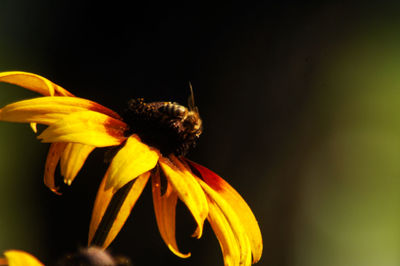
<point x="193" y="123"/>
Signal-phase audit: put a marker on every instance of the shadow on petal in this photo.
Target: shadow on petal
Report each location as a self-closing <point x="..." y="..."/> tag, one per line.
<point x="112" y="209"/>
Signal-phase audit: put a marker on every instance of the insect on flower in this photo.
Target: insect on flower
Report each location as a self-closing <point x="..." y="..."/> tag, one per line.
<point x="169" y="126"/>
<point x="152" y="140"/>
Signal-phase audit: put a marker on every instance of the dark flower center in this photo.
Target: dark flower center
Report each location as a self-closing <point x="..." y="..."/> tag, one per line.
<point x="167" y="126"/>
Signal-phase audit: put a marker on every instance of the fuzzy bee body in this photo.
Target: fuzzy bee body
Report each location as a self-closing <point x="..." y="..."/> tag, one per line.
<point x="168" y="126"/>
<point x="172" y="109"/>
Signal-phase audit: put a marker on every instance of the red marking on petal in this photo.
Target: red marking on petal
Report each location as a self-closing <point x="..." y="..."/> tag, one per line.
<point x="211" y="178"/>
<point x="104" y="110"/>
<point x="116" y="128"/>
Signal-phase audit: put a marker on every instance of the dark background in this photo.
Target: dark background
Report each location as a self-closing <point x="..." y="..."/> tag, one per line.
<point x="299" y="103"/>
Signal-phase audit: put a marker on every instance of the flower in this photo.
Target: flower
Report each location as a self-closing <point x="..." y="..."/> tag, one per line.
<point x="19" y="258"/>
<point x="147" y="150"/>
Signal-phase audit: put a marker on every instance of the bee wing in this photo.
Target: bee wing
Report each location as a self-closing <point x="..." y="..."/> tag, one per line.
<point x="191" y="104"/>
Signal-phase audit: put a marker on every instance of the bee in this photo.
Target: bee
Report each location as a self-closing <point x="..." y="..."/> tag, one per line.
<point x="168" y="126"/>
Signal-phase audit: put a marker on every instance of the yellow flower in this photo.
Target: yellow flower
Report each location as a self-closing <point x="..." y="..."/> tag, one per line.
<point x="76" y="126"/>
<point x="19" y="258"/>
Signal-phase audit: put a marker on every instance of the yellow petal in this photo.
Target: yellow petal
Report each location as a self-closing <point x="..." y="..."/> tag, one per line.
<point x="34" y="127"/>
<point x="21" y="258"/>
<point x="88" y="127"/>
<point x="134" y="159"/>
<point x="72" y="160"/>
<point x="188" y="189"/>
<point x="232" y="197"/>
<point x="112" y="209"/>
<point x="164" y="208"/>
<point x="34" y="83"/>
<point x="47" y="110"/>
<point x="225" y="236"/>
<point x="53" y="156"/>
<point x="235" y="224"/>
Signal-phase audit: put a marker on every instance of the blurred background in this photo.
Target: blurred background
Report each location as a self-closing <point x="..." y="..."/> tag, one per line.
<point x="300" y="104"/>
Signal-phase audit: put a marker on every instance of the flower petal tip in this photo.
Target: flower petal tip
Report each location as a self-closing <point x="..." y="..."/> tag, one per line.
<point x="33" y="82"/>
<point x="34" y="127"/>
<point x="68" y="181"/>
<point x="179" y="254"/>
<point x="56" y="191"/>
<point x="198" y="233"/>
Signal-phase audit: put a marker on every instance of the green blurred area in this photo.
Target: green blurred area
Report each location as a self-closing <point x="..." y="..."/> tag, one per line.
<point x="21" y="224"/>
<point x="21" y="155"/>
<point x="350" y="187"/>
